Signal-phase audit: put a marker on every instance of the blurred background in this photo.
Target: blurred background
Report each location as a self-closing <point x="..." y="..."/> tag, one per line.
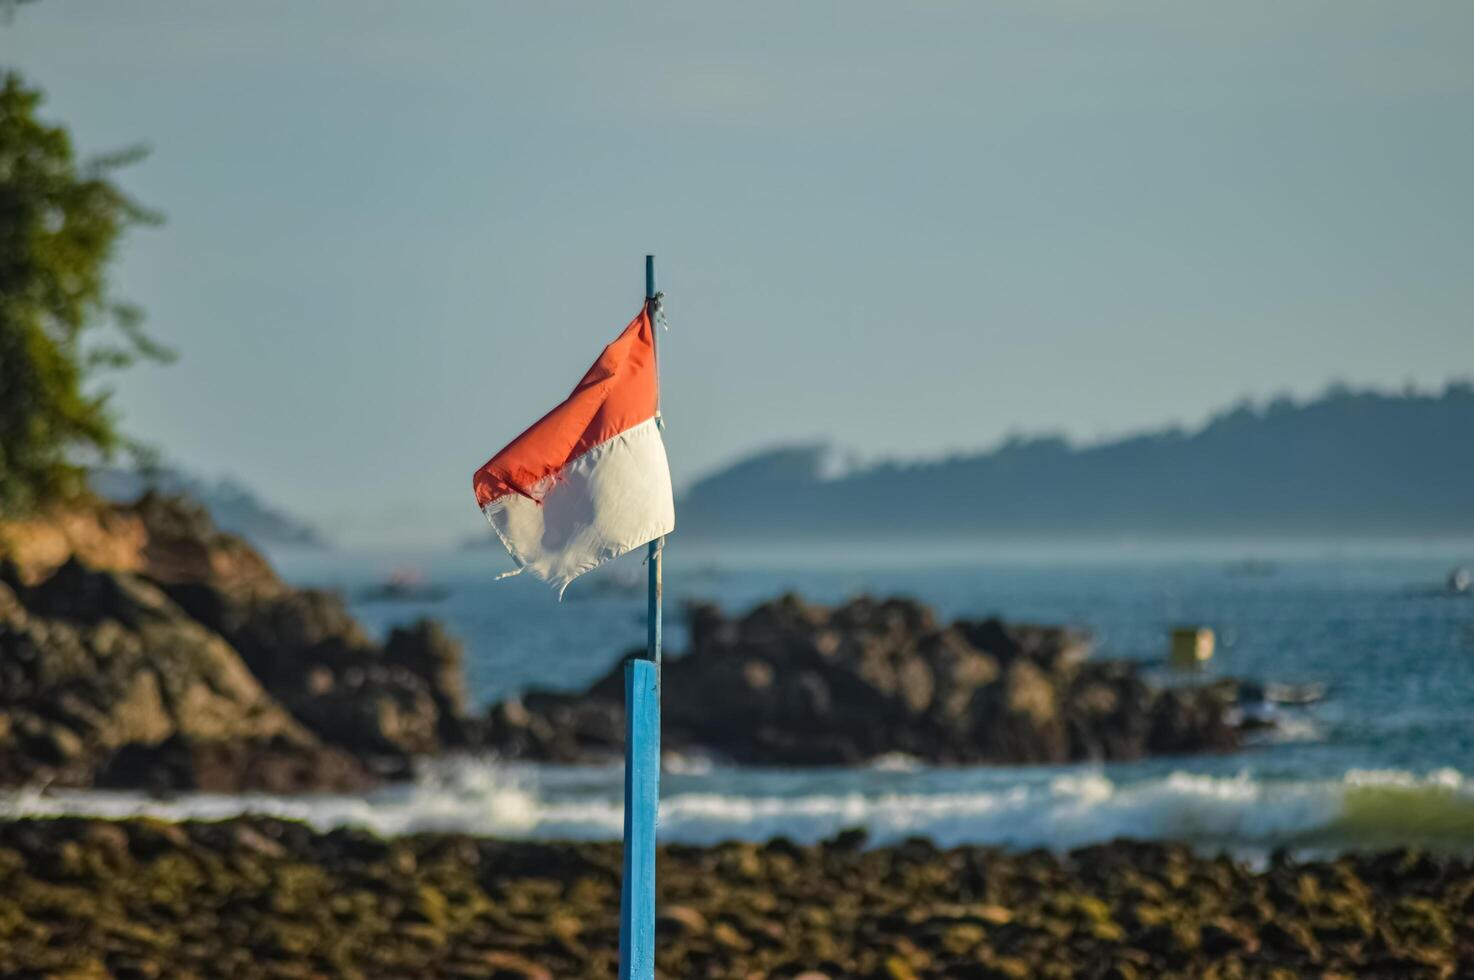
<point x="1133" y="318"/>
<point x="393" y="235"/>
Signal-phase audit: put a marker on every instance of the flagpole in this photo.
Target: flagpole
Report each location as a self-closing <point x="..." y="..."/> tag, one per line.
<point x="642" y="759"/>
<point x="653" y="613"/>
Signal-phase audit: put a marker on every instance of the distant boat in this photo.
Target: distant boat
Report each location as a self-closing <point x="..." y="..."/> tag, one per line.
<point x="1460" y="581"/>
<point x="1294" y="694"/>
<point x="405" y="584"/>
<point x="1259" y="705"/>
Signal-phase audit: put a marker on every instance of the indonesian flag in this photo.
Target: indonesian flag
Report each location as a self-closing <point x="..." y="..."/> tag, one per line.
<point x="589" y="480"/>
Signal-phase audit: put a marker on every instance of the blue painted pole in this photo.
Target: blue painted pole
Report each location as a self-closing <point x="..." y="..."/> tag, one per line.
<point x="641" y="801"/>
<point x="642" y="770"/>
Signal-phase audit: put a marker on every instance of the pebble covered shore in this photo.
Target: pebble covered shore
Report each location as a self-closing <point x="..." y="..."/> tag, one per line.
<point x="256" y="897"/>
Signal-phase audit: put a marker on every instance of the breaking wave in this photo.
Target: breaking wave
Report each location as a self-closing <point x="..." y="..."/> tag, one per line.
<point x="1244" y="813"/>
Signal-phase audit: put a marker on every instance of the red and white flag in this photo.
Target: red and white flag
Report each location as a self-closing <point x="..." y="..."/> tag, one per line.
<point x="589" y="480"/>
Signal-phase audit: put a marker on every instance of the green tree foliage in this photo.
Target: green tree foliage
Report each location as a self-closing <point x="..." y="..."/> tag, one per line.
<point x="61" y="221"/>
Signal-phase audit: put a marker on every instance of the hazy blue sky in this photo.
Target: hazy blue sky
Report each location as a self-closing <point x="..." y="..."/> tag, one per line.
<point x="399" y="232"/>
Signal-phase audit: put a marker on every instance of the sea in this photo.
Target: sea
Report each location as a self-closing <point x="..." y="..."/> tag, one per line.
<point x="1384" y="759"/>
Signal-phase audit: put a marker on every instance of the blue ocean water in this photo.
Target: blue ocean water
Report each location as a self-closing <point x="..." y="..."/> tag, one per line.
<point x="1387" y="758"/>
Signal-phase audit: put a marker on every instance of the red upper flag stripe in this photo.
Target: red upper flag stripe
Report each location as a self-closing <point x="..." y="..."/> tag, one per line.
<point x="619" y="392"/>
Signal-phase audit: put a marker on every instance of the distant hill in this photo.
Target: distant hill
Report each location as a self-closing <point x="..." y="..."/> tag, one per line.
<point x="233" y="507"/>
<point x="1347" y="462"/>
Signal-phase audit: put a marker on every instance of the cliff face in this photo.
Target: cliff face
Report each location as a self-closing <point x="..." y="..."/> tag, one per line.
<point x="166" y="539"/>
<point x="139" y="646"/>
<point x="796" y="684"/>
<point x="101" y="537"/>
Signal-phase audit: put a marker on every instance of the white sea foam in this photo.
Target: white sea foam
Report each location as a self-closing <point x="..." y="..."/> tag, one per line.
<point x="1245" y="813"/>
<point x="1288" y="729"/>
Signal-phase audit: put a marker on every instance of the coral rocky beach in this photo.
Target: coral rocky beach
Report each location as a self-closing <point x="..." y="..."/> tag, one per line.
<point x="250" y="898"/>
<point x="142" y="649"/>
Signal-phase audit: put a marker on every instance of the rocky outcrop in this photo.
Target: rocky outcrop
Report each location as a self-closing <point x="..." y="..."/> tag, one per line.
<point x="167" y="539"/>
<point x="388" y="703"/>
<point x="94" y="664"/>
<point x="183" y="546"/>
<point x="797" y="684"/>
<point x="258" y="898"/>
<point x="193" y="666"/>
<point x="104" y="537"/>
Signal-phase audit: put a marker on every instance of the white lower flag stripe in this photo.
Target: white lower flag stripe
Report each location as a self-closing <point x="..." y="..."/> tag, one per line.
<point x="612" y="499"/>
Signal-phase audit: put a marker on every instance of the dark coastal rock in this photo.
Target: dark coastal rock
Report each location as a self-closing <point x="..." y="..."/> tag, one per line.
<point x="192" y="665"/>
<point x="391" y="703"/>
<point x="796" y="684"/>
<point x="253" y="764"/>
<point x="255" y="898"/>
<point x="196" y="667"/>
<point x="92" y="663"/>
<point x="428" y="652"/>
<point x="183" y="545"/>
<point x="387" y="703"/>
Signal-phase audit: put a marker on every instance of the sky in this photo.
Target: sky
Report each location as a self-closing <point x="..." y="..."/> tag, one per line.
<point x="398" y="233"/>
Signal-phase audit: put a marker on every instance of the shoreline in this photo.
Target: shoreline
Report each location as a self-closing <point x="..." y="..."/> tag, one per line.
<point x="1222" y="810"/>
<point x="259" y="897"/>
